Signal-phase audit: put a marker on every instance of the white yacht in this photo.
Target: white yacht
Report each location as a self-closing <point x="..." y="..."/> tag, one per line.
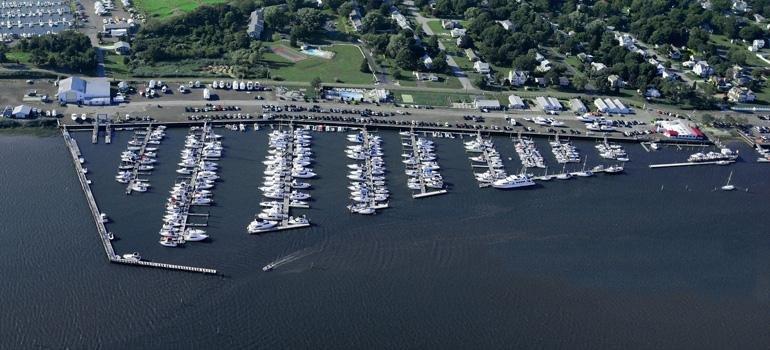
<point x="513" y="181"/>
<point x="195" y="235"/>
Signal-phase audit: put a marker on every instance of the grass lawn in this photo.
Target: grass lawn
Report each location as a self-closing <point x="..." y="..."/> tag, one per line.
<point x="447" y="82"/>
<point x="751" y="60"/>
<point x="575" y="63"/>
<point x="343" y="67"/>
<point x="114" y="66"/>
<point x="165" y="8"/>
<point x="21" y="57"/>
<point x="432" y="98"/>
<point x="437" y="29"/>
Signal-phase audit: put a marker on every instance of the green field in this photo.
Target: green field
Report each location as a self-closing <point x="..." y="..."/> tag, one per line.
<point x="18" y="56"/>
<point x="165" y="8"/>
<point x="432" y="98"/>
<point x="114" y="66"/>
<point x="344" y="67"/>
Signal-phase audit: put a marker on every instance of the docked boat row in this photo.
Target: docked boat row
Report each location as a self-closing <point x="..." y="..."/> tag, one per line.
<point x="764" y="154"/>
<point x="198" y="175"/>
<point x="614" y="151"/>
<point x="139" y="158"/>
<point x="422" y="169"/>
<point x="284" y="187"/>
<point x="367" y="176"/>
<point x="724" y="155"/>
<point x="564" y="151"/>
<point x="528" y="153"/>
<point x="484" y="156"/>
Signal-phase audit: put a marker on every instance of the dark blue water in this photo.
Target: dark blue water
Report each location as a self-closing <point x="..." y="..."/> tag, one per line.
<point x="605" y="262"/>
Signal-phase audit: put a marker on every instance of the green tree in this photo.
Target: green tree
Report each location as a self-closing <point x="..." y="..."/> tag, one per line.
<point x="316" y="83"/>
<point x="365" y="66"/>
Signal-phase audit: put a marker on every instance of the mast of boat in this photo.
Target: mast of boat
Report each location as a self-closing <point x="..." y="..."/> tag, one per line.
<point x="729" y="178"/>
<point x="585" y="161"/>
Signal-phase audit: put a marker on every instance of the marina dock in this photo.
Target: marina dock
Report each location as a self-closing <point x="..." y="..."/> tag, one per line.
<point x="411" y="145"/>
<point x="673" y="165"/>
<point x="102" y="229"/>
<point x="137" y="164"/>
<point x="95" y="132"/>
<point x="108" y="133"/>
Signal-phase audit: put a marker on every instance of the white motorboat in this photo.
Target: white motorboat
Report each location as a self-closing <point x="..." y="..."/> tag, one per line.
<point x="132" y="256"/>
<point x="195" y="235"/>
<point x="261" y="225"/>
<point x="167" y="242"/>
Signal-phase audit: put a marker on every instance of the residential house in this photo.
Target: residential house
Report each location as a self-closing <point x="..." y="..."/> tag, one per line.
<point x="740" y="95"/>
<point x="563" y="81"/>
<point x="651" y="92"/>
<point x="674" y="53"/>
<point x="625" y="40"/>
<point x="507" y="25"/>
<point x="598" y="66"/>
<point x="355" y="19"/>
<point x="702" y="69"/>
<point x="757" y="45"/>
<point x="585" y="58"/>
<point x="400" y="20"/>
<point x="457" y="32"/>
<point x="539" y="57"/>
<point x="615" y="81"/>
<point x="449" y="24"/>
<point x="517" y="77"/>
<point x="427" y="61"/>
<point x="759" y="18"/>
<point x="256" y="24"/>
<point x="481" y="67"/>
<point x="540" y="81"/>
<point x="471" y="55"/>
<point x="122" y="48"/>
<point x="545" y="65"/>
<point x="740" y="6"/>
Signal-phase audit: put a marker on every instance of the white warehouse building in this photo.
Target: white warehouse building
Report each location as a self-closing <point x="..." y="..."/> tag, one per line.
<point x="548" y="103"/>
<point x="87" y="91"/>
<point x="607" y="105"/>
<point x="516" y="102"/>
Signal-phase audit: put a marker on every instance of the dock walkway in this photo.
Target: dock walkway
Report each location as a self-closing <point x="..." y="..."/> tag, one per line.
<point x="96" y="215"/>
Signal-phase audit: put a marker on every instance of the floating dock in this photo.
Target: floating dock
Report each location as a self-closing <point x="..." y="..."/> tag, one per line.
<point x="416" y="153"/>
<point x="673" y="165"/>
<point x="137" y="163"/>
<point x="96" y="215"/>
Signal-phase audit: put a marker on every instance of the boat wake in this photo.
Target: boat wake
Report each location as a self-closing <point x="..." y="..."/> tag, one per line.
<point x="290" y="258"/>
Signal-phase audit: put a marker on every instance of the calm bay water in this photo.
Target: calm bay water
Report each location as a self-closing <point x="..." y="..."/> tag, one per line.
<point x="610" y="261"/>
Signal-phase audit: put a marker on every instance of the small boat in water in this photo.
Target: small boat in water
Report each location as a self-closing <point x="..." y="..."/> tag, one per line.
<point x="132" y="256"/>
<point x="728" y="186"/>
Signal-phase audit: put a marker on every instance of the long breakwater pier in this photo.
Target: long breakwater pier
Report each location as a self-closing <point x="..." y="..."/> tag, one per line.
<point x="102" y="229"/>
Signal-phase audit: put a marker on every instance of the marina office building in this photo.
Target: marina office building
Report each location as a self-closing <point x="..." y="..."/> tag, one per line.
<point x="87" y="91"/>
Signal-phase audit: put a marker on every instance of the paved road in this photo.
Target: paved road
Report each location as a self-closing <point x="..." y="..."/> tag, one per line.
<point x="456" y="71"/>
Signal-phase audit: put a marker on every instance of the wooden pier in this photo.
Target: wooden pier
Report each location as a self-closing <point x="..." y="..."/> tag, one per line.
<point x="102" y="230"/>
